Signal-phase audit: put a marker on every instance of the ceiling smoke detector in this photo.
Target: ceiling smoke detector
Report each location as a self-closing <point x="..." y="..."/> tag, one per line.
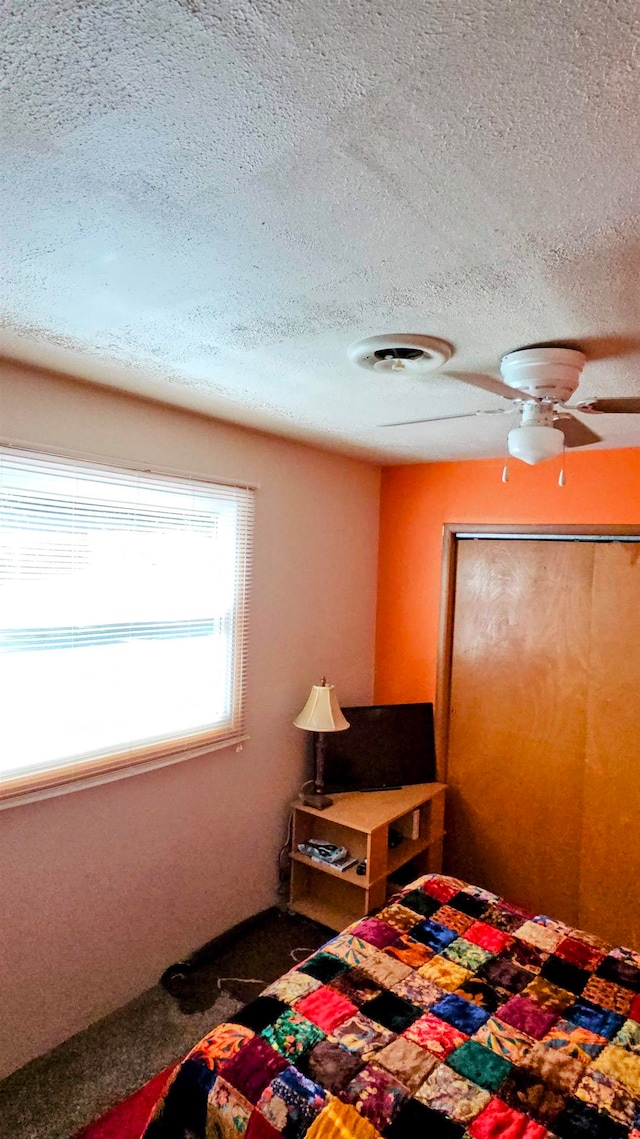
<point x="401" y="352"/>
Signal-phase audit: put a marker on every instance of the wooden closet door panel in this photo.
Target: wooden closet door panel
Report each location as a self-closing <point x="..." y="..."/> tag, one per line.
<point x="517" y="724"/>
<point x="610" y="879"/>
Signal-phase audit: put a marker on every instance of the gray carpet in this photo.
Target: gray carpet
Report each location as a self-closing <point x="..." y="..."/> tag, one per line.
<point x="56" y="1095"/>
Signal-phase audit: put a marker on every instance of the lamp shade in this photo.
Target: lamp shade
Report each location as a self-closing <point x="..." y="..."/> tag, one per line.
<point x="535" y="443"/>
<point x="322" y="712"/>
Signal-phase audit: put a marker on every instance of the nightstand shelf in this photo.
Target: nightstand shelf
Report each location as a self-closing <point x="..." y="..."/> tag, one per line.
<point x="362" y="822"/>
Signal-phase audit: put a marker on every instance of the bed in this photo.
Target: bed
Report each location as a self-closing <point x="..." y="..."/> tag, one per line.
<point x="448" y="1014"/>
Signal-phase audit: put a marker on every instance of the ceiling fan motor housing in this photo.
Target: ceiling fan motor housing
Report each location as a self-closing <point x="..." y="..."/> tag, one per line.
<point x="544" y="373"/>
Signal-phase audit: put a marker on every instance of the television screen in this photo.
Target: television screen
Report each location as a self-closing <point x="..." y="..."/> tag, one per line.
<point x="385" y="746"/>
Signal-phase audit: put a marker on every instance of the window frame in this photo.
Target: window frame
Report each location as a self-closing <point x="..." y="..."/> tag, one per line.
<point x="67" y="776"/>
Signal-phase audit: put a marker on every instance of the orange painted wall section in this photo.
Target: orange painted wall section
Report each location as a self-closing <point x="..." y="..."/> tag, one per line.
<point x="602" y="487"/>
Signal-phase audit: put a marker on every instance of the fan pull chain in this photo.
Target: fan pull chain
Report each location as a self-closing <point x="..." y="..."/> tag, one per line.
<point x="562" y="477"/>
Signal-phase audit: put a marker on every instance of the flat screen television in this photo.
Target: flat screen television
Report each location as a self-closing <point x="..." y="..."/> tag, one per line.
<point x="385" y="746"/>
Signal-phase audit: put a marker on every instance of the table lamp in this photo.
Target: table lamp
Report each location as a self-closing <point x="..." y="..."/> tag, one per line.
<point x="321" y="714"/>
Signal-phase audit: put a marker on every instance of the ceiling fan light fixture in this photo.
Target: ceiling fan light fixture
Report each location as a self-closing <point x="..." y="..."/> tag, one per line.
<point x="535" y="444"/>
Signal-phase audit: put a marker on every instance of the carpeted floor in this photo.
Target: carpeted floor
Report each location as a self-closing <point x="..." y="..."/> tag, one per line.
<point x="56" y="1095"/>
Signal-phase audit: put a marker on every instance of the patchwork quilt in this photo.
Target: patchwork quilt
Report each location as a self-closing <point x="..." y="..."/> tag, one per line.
<point x="449" y="1015"/>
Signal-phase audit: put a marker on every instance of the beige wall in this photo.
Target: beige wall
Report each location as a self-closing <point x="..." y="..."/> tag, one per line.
<point x="102" y="888"/>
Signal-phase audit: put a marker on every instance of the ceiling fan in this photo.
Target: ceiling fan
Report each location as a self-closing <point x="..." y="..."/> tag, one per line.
<point x="539" y="381"/>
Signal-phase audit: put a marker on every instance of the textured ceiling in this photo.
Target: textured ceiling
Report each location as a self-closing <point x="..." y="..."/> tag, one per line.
<point x="208" y="202"/>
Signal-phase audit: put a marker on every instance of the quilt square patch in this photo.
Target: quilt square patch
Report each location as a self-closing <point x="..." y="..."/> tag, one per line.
<point x="435" y="1035"/>
<point x="461" y="1014"/>
<point x="600" y="1021"/>
<point x="620" y="1065"/>
<point x="323" y="967"/>
<point x="360" y="1035"/>
<point x="453" y="919"/>
<point x="525" y="954"/>
<point x="447" y="1091"/>
<point x="331" y="1065"/>
<point x="437" y="937"/>
<point x="548" y="995"/>
<point x="488" y="937"/>
<point x="505" y="1040"/>
<point x="399" y="916"/>
<point x="409" y="1063"/>
<point x="325" y="1007"/>
<point x="339" y="1118"/>
<point x="231" y="1109"/>
<point x="419" y="991"/>
<point x="607" y="1094"/>
<point x="505" y="917"/>
<point x="609" y="995"/>
<point x="417" y="1121"/>
<point x="375" y="932"/>
<point x="465" y="953"/>
<point x="580" y="1120"/>
<point x="409" y="951"/>
<point x="420" y="903"/>
<point x="629" y="1036"/>
<point x="261" y="1012"/>
<point x="352" y="950"/>
<point x="565" y="975"/>
<point x="506" y="975"/>
<point x="577" y="1042"/>
<point x="391" y="1011"/>
<point x="220" y="1045"/>
<point x="356" y="986"/>
<point x="469" y="904"/>
<point x="527" y="1016"/>
<point x="621" y="970"/>
<point x="442" y="888"/>
<point x="479" y="992"/>
<point x="540" y="936"/>
<point x="498" y="1120"/>
<point x="292" y="1035"/>
<point x="580" y="953"/>
<point x="291" y="987"/>
<point x="557" y="1070"/>
<point x="259" y="1128"/>
<point x="445" y="974"/>
<point x="255" y="1066"/>
<point x="291" y="1102"/>
<point x="528" y="1094"/>
<point x="480" y="1065"/>
<point x="376" y="1095"/>
<point x="386" y="970"/>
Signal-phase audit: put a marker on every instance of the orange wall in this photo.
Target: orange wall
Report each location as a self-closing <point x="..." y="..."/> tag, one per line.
<point x="602" y="487"/>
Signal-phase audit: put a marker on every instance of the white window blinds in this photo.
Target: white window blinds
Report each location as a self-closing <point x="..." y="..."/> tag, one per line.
<point x="123" y="613"/>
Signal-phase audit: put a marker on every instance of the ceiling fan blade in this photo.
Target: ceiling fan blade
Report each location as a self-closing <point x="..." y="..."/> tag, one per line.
<point x="486" y="383"/>
<point x="443" y="418"/>
<point x="576" y="433"/>
<point x="624" y="405"/>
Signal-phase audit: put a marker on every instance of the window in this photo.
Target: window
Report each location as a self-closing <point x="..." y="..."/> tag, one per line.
<point x="123" y="617"/>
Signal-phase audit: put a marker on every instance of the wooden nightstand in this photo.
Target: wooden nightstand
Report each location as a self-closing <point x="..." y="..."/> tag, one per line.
<point x="361" y="821"/>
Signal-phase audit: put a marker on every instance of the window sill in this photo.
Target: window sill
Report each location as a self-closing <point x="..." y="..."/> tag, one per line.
<point x="35" y="786"/>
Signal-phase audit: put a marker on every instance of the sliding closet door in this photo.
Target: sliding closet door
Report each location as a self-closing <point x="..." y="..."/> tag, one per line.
<point x="519" y="678"/>
<point x="610" y="880"/>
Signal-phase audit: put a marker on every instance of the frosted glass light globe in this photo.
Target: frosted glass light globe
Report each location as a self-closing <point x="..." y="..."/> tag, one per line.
<point x="534" y="444"/>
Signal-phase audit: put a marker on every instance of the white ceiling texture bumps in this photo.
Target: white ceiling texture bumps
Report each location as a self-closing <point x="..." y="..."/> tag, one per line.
<point x="210" y="202"/>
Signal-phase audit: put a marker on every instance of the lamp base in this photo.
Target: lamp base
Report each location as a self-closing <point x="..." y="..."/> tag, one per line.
<point x="319" y="802"/>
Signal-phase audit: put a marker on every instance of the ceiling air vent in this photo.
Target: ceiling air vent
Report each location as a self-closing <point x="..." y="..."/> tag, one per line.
<point x="401" y="352"/>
